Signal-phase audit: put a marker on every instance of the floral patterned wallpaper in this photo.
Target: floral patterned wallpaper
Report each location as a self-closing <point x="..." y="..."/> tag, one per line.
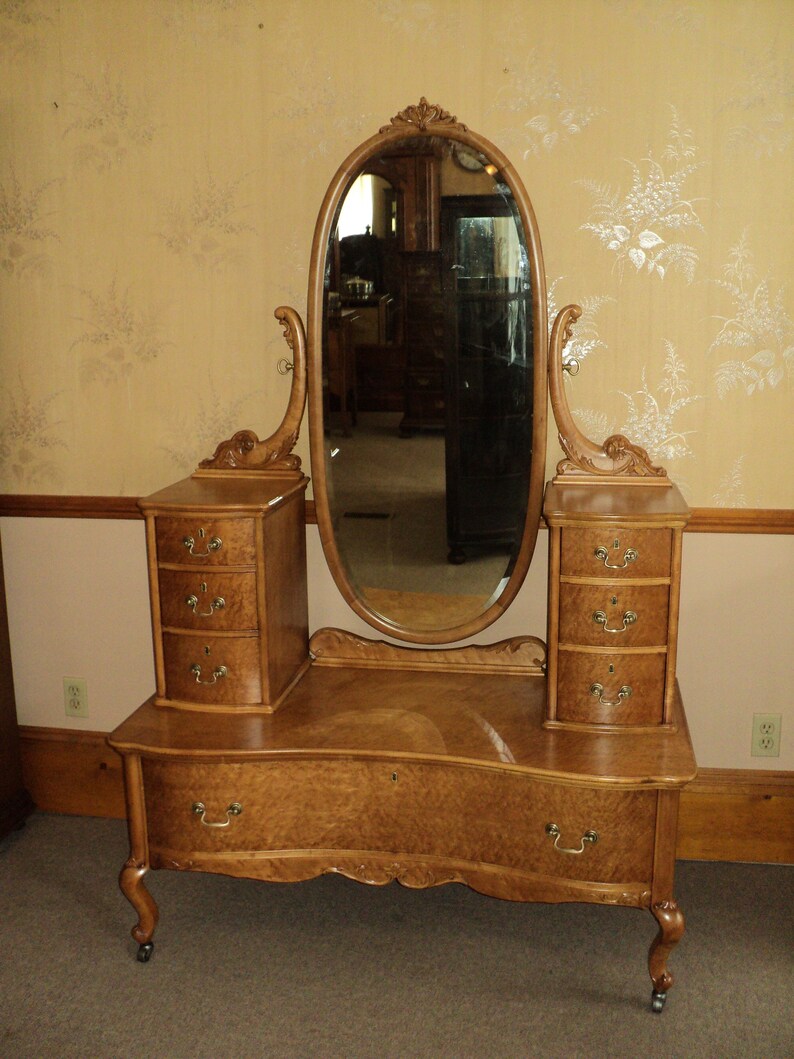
<point x="163" y="162"/>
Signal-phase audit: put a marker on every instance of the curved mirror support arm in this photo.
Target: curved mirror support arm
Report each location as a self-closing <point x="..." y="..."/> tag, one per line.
<point x="244" y="451"/>
<point x="617" y="457"/>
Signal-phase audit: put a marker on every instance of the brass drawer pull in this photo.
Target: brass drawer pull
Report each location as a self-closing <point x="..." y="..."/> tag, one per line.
<point x="597" y="691"/>
<point x="213" y="544"/>
<point x="217" y="674"/>
<point x="600" y="618"/>
<point x="629" y="556"/>
<point x="217" y="604"/>
<point x="200" y="810"/>
<point x="553" y="831"/>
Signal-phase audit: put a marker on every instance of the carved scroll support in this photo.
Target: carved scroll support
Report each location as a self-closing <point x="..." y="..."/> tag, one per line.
<point x="244" y="451"/>
<point x="617" y="459"/>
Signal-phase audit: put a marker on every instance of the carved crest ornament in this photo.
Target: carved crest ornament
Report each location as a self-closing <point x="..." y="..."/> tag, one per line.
<point x="423" y="116"/>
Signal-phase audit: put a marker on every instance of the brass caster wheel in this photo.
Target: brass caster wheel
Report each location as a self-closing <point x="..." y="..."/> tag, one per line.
<point x="657" y="1001"/>
<point x="145" y="952"/>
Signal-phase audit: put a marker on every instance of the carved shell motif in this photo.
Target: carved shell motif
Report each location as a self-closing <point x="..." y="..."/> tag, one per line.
<point x="422" y="116"/>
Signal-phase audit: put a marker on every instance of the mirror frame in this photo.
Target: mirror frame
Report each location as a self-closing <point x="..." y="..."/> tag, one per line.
<point x="420" y="122"/>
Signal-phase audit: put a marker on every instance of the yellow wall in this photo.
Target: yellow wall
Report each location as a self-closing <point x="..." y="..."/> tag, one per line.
<point x="163" y="162"/>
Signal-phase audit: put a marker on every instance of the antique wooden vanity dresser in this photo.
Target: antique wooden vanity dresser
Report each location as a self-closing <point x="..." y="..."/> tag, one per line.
<point x="528" y="771"/>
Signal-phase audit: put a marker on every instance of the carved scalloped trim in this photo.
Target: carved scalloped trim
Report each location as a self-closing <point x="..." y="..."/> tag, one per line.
<point x="414" y="876"/>
<point x="244" y="451"/>
<point x="417" y="871"/>
<point x="520" y="654"/>
<point x="422" y="116"/>
<point x="617" y="458"/>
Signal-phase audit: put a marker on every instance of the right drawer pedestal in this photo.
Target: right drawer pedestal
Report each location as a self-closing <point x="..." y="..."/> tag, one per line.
<point x="614" y="578"/>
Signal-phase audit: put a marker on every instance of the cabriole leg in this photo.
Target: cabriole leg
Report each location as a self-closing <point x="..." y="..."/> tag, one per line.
<point x="137" y="864"/>
<point x="671" y="927"/>
<point x="133" y="888"/>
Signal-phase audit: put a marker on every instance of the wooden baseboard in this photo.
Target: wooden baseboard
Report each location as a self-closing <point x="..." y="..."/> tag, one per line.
<point x="726" y="814"/>
<point x="738" y="814"/>
<point x="72" y="772"/>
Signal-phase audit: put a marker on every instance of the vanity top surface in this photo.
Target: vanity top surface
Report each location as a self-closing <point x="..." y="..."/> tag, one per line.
<point x="615" y="503"/>
<point x="226" y="495"/>
<point x="480" y="719"/>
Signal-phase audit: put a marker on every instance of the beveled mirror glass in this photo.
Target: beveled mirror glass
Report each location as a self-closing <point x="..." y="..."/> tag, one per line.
<point x="427" y="378"/>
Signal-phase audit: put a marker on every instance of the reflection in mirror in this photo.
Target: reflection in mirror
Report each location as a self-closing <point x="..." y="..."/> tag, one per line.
<point x="428" y="382"/>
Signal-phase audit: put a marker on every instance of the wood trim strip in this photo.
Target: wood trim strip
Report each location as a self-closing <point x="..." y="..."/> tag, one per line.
<point x="741" y="520"/>
<point x="725" y="814"/>
<point x="764" y="782"/>
<point x="46" y="505"/>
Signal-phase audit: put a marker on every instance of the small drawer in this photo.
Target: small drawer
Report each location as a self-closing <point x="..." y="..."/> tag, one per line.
<point x="207" y="600"/>
<point x="205" y="542"/>
<point x="610" y="688"/>
<point x="212" y="670"/>
<point x="614" y="552"/>
<point x="614" y="616"/>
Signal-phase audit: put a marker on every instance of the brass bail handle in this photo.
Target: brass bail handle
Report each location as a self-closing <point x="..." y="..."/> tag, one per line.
<point x="629" y="556"/>
<point x="597" y="691"/>
<point x="217" y="674"/>
<point x="600" y="618"/>
<point x="213" y="544"/>
<point x="217" y="604"/>
<point x="200" y="810"/>
<point x="588" y="838"/>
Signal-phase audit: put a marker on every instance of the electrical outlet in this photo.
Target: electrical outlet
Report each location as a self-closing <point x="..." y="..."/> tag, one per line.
<point x="75" y="697"/>
<point x="766" y="735"/>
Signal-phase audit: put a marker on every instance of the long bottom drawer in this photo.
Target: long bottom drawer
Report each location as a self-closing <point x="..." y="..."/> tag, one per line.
<point x="476" y="815"/>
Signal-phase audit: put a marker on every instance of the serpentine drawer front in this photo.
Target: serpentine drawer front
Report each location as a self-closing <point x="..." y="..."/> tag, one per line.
<point x="460" y="812"/>
<point x="212" y="670"/>
<point x="611" y="688"/>
<point x="205" y="541"/>
<point x="613" y="615"/>
<point x="210" y="600"/>
<point x="615" y="552"/>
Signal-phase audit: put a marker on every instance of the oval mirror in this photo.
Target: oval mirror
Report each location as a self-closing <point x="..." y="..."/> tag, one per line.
<point x="427" y="378"/>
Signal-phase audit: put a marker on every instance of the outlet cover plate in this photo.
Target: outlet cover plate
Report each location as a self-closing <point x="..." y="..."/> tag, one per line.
<point x="75" y="697"/>
<point x="766" y="735"/>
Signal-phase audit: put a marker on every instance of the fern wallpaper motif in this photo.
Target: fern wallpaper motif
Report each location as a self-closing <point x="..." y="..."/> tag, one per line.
<point x="163" y="162"/>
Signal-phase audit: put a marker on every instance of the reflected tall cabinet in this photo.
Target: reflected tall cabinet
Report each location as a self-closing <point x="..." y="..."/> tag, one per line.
<point x="529" y="770"/>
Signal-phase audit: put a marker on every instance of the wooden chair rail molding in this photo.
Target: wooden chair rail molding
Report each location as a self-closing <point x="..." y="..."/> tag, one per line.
<point x="725" y="814"/>
<point x="48" y="505"/>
